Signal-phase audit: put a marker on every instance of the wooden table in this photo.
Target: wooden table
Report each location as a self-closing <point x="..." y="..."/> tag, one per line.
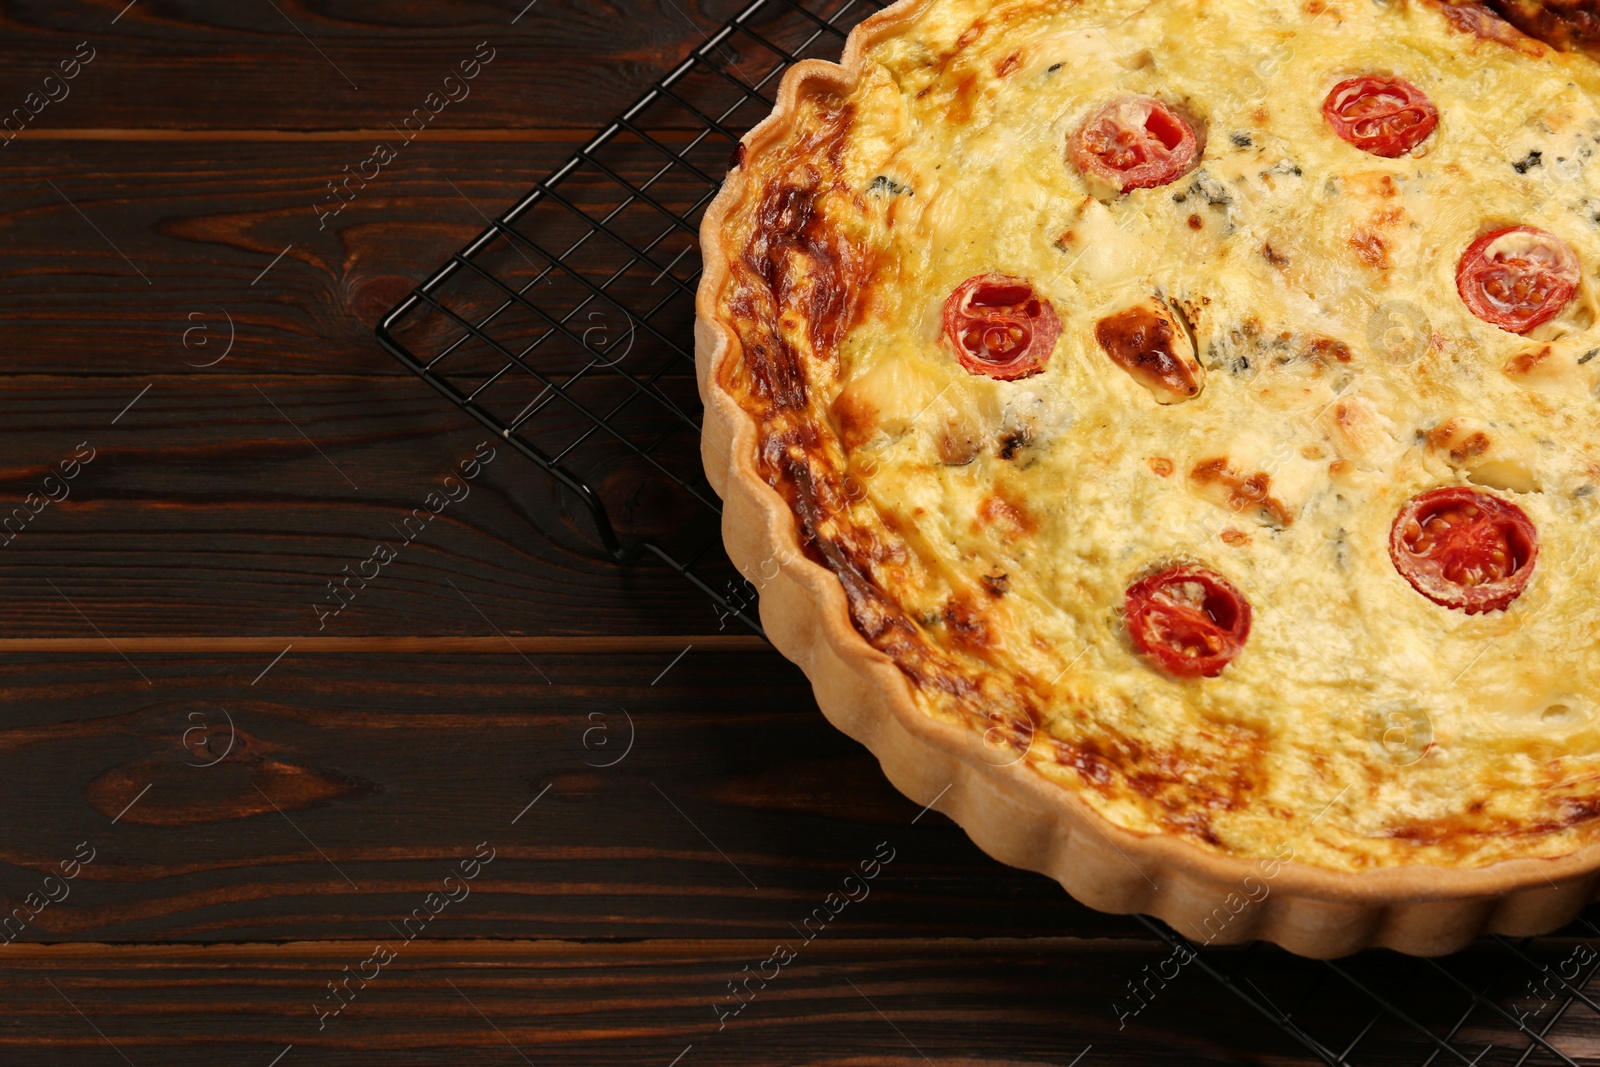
<point x="512" y="803"/>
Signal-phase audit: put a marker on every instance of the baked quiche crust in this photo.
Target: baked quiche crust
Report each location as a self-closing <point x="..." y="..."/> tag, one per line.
<point x="963" y="492"/>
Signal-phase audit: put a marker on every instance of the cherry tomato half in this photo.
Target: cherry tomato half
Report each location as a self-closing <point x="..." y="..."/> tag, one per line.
<point x="1464" y="549"/>
<point x="1135" y="142"/>
<point x="1000" y="327"/>
<point x="1189" y="620"/>
<point x="1517" y="278"/>
<point x="1385" y="116"/>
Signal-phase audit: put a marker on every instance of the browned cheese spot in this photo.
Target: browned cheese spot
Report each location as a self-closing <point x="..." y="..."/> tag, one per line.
<point x="961" y="102"/>
<point x="970" y="36"/>
<point x="1145" y="341"/>
<point x="1323" y="347"/>
<point x="967" y="625"/>
<point x="1005" y="515"/>
<point x="1371" y="249"/>
<point x="856" y="419"/>
<point x="1240" y="491"/>
<point x="1447" y="438"/>
<point x="1525" y="363"/>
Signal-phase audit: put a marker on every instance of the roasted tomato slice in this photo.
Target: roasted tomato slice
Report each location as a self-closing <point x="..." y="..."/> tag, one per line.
<point x="1189" y="620"/>
<point x="1464" y="548"/>
<point x="1385" y="116"/>
<point x="1000" y="327"/>
<point x="1135" y="142"/>
<point x="1517" y="278"/>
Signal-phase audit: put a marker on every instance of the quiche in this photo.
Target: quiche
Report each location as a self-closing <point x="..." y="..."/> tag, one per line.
<point x="1166" y="432"/>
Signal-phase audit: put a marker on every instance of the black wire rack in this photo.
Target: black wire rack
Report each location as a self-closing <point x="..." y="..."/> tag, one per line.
<point x="565" y="328"/>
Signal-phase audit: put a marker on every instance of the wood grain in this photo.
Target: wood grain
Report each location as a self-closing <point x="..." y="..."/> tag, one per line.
<point x="200" y="223"/>
<point x="389" y="768"/>
<point x="577" y="59"/>
<point x="205" y="509"/>
<point x="311" y="646"/>
<point x="838" y="1001"/>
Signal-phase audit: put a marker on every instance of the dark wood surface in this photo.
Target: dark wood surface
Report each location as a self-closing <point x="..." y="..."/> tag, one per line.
<point x="269" y="795"/>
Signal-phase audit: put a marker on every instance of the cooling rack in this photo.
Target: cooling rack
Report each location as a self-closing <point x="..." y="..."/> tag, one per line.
<point x="566" y="329"/>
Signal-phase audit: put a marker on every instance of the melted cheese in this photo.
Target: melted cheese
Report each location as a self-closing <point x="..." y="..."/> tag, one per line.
<point x="1369" y="725"/>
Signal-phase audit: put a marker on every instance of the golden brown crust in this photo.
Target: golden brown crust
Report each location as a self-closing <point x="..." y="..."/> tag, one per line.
<point x="785" y="482"/>
<point x="795" y="264"/>
<point x="1570" y="25"/>
<point x="1482" y="22"/>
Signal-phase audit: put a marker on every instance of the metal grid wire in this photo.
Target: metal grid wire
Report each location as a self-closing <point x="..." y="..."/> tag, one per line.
<point x="565" y="328"/>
